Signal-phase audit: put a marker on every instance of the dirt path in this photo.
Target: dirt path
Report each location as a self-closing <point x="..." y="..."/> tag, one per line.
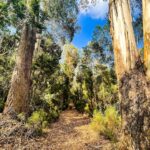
<point x="71" y="132"/>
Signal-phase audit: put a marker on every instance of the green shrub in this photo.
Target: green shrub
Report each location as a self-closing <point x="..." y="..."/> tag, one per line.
<point x="1" y="104"/>
<point x="87" y="109"/>
<point x="48" y="85"/>
<point x="38" y="120"/>
<point x="21" y="117"/>
<point x="108" y="123"/>
<point x="53" y="114"/>
<point x="80" y="105"/>
<point x="6" y="65"/>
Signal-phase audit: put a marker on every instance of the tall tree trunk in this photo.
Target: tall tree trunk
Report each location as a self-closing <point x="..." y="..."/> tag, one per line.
<point x="133" y="85"/>
<point x="125" y="50"/>
<point x="18" y="96"/>
<point x="146" y="30"/>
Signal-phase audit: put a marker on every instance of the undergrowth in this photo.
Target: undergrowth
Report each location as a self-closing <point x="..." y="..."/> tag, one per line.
<point x="107" y="124"/>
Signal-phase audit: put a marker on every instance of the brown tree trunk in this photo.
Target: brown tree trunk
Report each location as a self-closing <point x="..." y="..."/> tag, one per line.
<point x="146" y="30"/>
<point x="133" y="85"/>
<point x="18" y="96"/>
<point x="125" y="50"/>
<point x="135" y="108"/>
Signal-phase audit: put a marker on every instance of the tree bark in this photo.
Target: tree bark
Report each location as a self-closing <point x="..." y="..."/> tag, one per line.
<point x="133" y="85"/>
<point x="125" y="50"/>
<point x="18" y="96"/>
<point x="146" y="32"/>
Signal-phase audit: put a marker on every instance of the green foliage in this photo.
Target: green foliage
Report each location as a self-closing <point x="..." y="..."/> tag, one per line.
<point x="80" y="105"/>
<point x="49" y="86"/>
<point x="108" y="123"/>
<point x="87" y="109"/>
<point x="7" y="61"/>
<point x="101" y="44"/>
<point x="1" y="104"/>
<point x="37" y="117"/>
<point x="70" y="55"/>
<point x="3" y="15"/>
<point x="88" y="81"/>
<point x="94" y="86"/>
<point x="38" y="120"/>
<point x="21" y="117"/>
<point x="37" y="12"/>
<point x="66" y="14"/>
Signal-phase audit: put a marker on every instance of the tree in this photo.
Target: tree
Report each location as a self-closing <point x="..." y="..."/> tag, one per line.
<point x="102" y="44"/>
<point x="146" y="33"/>
<point x="18" y="97"/>
<point x="69" y="63"/>
<point x="130" y="72"/>
<point x="32" y="14"/>
<point x="70" y="60"/>
<point x="124" y="44"/>
<point x="131" y="76"/>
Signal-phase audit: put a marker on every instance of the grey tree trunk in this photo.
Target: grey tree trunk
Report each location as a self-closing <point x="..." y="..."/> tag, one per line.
<point x="18" y="96"/>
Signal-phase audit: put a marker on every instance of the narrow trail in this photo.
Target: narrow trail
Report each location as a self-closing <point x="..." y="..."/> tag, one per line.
<point x="72" y="131"/>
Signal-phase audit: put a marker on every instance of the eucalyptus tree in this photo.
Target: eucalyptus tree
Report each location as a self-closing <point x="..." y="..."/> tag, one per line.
<point x="135" y="102"/>
<point x="17" y="100"/>
<point x="146" y="33"/>
<point x="130" y="71"/>
<point x="124" y="43"/>
<point x="70" y="59"/>
<point x="101" y="44"/>
<point x="30" y="18"/>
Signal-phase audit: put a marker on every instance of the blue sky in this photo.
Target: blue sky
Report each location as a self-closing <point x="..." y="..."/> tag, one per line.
<point x="88" y="20"/>
<point x="84" y="35"/>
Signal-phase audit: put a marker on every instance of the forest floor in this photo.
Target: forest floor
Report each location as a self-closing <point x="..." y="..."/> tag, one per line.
<point x="71" y="132"/>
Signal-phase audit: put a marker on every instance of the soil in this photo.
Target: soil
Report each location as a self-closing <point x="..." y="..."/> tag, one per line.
<point x="71" y="132"/>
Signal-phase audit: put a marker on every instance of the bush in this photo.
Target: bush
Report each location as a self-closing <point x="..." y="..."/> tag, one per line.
<point x="80" y="105"/>
<point x="6" y="65"/>
<point x="1" y="104"/>
<point x="38" y="120"/>
<point x="108" y="123"/>
<point x="53" y="114"/>
<point x="87" y="109"/>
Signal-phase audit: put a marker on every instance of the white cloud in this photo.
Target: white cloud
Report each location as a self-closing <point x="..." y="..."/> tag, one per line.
<point x="96" y="11"/>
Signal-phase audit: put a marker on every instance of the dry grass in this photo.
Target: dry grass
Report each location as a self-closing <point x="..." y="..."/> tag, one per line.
<point x="71" y="132"/>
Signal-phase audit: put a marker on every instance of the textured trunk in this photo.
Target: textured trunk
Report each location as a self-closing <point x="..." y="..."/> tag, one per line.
<point x="146" y="30"/>
<point x="133" y="85"/>
<point x="125" y="50"/>
<point x="18" y="96"/>
<point x="135" y="96"/>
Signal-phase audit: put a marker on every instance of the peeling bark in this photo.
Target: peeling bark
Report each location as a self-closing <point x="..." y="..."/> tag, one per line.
<point x="18" y="96"/>
<point x="146" y="30"/>
<point x="133" y="85"/>
<point x="125" y="50"/>
<point x="135" y="97"/>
